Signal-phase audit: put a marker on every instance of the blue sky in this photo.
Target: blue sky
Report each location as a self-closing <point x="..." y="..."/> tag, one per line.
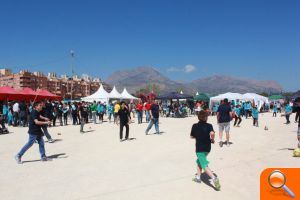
<point x="184" y="40"/>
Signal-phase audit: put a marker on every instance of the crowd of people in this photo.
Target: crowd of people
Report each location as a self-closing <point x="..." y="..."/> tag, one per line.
<point x="40" y="115"/>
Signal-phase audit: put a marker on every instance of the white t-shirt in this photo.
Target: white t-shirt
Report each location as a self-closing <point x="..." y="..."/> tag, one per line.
<point x="16" y="107"/>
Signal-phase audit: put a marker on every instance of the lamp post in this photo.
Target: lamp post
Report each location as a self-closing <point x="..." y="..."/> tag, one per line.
<point x="72" y="74"/>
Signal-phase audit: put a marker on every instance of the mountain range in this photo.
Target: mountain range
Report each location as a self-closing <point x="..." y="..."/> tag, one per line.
<point x="141" y="77"/>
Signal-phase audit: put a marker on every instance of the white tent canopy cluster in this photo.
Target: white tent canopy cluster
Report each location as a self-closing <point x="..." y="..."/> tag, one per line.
<point x="256" y="98"/>
<point x="103" y="96"/>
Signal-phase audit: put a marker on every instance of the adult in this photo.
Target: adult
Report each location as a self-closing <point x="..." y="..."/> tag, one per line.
<point x="125" y="118"/>
<point x="46" y="119"/>
<point x="296" y="109"/>
<point x="94" y="111"/>
<point x="154" y="118"/>
<point x="288" y="112"/>
<point x="83" y="114"/>
<point x="116" y="110"/>
<point x="65" y="113"/>
<point x="35" y="133"/>
<point x="147" y="110"/>
<point x="139" y="109"/>
<point x="16" y="110"/>
<point x="224" y="115"/>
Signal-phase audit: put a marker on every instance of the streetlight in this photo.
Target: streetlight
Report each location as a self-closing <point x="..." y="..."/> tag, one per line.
<point x="72" y="74"/>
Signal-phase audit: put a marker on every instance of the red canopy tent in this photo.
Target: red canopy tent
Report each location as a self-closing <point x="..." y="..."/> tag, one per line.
<point x="27" y="94"/>
<point x="8" y="93"/>
<point x="45" y="94"/>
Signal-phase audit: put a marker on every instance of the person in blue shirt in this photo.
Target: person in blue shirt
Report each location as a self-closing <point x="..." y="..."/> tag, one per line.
<point x="274" y="111"/>
<point x="110" y="111"/>
<point x="255" y="116"/>
<point x="288" y="112"/>
<point x="5" y="112"/>
<point x="237" y="116"/>
<point x="100" y="111"/>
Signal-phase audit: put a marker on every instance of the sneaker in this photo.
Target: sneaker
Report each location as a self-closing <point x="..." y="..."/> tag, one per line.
<point x="18" y="159"/>
<point x="51" y="141"/>
<point x="221" y="144"/>
<point x="217" y="184"/>
<point x="197" y="180"/>
<point x="44" y="159"/>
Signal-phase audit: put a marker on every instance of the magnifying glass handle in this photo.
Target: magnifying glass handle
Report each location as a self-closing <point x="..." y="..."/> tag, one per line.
<point x="288" y="191"/>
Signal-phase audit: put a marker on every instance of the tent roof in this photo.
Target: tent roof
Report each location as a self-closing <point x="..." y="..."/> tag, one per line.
<point x="126" y="95"/>
<point x="201" y="97"/>
<point x="8" y="93"/>
<point x="229" y="95"/>
<point x="27" y="91"/>
<point x="114" y="94"/>
<point x="276" y="97"/>
<point x="100" y="94"/>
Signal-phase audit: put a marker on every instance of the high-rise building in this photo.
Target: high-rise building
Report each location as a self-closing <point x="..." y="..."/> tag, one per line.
<point x="75" y="87"/>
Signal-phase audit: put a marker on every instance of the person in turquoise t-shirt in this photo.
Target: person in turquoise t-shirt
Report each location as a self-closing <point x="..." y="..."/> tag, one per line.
<point x="100" y="111"/>
<point x="237" y="116"/>
<point x="110" y="111"/>
<point x="255" y="116"/>
<point x="274" y="110"/>
<point x="288" y="112"/>
<point x="5" y="112"/>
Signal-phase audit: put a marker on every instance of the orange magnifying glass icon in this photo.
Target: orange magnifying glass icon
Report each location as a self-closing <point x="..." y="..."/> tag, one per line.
<point x="277" y="180"/>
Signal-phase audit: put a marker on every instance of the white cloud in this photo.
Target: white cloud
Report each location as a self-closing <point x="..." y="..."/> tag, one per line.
<point x="186" y="69"/>
<point x="189" y="68"/>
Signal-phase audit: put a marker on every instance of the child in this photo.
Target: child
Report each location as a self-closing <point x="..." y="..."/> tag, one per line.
<point x="274" y="111"/>
<point x="255" y="116"/>
<point x="237" y="116"/>
<point x="204" y="135"/>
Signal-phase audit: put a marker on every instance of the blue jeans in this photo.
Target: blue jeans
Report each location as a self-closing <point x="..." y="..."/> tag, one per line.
<point x="94" y="117"/>
<point x="147" y="116"/>
<point x="140" y="116"/>
<point x="47" y="134"/>
<point x="155" y="122"/>
<point x="31" y="140"/>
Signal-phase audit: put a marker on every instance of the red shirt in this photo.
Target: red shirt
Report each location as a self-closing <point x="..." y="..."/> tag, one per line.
<point x="148" y="106"/>
<point x="139" y="107"/>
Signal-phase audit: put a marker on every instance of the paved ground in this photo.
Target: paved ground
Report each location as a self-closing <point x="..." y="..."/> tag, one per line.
<point x="96" y="165"/>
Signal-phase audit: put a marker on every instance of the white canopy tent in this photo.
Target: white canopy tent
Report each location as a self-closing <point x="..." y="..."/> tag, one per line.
<point x="126" y="95"/>
<point x="258" y="99"/>
<point x="100" y="95"/>
<point x="114" y="94"/>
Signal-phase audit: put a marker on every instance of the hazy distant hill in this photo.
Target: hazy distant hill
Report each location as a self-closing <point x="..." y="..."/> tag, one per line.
<point x="140" y="77"/>
<point x="221" y="84"/>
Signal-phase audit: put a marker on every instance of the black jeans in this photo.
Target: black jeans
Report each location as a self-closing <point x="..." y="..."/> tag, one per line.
<point x="274" y="114"/>
<point x="287" y="119"/>
<point x="16" y="118"/>
<point x="255" y="122"/>
<point x="121" y="131"/>
<point x="66" y="118"/>
<point x="237" y="120"/>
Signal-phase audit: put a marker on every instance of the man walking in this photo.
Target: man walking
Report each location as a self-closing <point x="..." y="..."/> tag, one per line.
<point x="35" y="133"/>
<point x="154" y="116"/>
<point x="83" y="114"/>
<point x="224" y="114"/>
<point x="124" y="117"/>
